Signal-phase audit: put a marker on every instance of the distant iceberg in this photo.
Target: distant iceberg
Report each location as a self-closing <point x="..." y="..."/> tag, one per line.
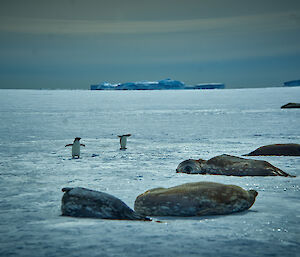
<point x="170" y="84"/>
<point x="103" y="86"/>
<point x="155" y="85"/>
<point x="292" y="83"/>
<point x="141" y="85"/>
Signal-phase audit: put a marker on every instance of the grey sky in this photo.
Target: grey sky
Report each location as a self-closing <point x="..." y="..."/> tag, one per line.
<point x="72" y="44"/>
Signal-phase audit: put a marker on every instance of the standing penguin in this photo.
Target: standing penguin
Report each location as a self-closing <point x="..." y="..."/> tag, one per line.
<point x="75" y="147"/>
<point x="123" y="141"/>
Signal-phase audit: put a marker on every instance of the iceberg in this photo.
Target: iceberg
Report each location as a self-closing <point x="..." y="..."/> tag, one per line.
<point x="163" y="84"/>
<point x="170" y="84"/>
<point x="141" y="85"/>
<point x="103" y="86"/>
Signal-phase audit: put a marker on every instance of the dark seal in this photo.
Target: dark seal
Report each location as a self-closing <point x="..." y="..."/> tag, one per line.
<point x="277" y="150"/>
<point x="230" y="166"/>
<point x="290" y="105"/>
<point x="82" y="202"/>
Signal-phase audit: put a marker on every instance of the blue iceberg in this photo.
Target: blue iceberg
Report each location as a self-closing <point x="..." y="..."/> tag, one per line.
<point x="103" y="86"/>
<point x="163" y="84"/>
<point x="141" y="85"/>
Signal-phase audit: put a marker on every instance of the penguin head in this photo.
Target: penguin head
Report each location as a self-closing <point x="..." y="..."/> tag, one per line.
<point x="127" y="135"/>
<point x="77" y="138"/>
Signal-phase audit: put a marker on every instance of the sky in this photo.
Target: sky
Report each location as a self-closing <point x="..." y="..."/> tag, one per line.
<point x="71" y="44"/>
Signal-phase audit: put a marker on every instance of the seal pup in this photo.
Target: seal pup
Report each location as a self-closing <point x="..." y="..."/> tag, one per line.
<point x="194" y="199"/>
<point x="231" y="166"/>
<point x="277" y="150"/>
<point x="123" y="141"/>
<point x="75" y="147"/>
<point x="83" y="202"/>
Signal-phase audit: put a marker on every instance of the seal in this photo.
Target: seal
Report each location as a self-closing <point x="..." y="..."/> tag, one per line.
<point x="194" y="199"/>
<point x="290" y="105"/>
<point x="76" y="147"/>
<point x="230" y="166"/>
<point x="83" y="202"/>
<point x="277" y="150"/>
<point x="123" y="141"/>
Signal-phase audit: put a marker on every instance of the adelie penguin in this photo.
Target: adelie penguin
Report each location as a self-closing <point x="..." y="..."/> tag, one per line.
<point x="76" y="147"/>
<point x="123" y="141"/>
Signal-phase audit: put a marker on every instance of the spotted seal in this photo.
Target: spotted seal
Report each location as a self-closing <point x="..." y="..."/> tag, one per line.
<point x="82" y="202"/>
<point x="194" y="199"/>
<point x="230" y="166"/>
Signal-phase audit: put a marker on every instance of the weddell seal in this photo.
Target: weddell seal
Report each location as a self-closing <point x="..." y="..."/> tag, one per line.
<point x="230" y="166"/>
<point x="82" y="202"/>
<point x="194" y="199"/>
<point x="76" y="147"/>
<point x="277" y="150"/>
<point x="290" y="105"/>
<point x="123" y="141"/>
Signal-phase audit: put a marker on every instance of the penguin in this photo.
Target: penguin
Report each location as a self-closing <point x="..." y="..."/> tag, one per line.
<point x="75" y="147"/>
<point x="123" y="141"/>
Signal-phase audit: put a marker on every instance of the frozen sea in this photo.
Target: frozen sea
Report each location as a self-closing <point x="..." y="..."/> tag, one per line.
<point x="167" y="127"/>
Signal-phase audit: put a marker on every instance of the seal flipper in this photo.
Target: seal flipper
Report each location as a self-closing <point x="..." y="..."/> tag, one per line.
<point x="284" y="174"/>
<point x="279" y="172"/>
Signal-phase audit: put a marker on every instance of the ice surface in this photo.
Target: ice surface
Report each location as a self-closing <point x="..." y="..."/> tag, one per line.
<point x="167" y="127"/>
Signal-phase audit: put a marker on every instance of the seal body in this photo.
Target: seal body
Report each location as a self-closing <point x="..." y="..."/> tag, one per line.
<point x="230" y="166"/>
<point x="277" y="150"/>
<point x="194" y="199"/>
<point x="82" y="202"/>
<point x="290" y="105"/>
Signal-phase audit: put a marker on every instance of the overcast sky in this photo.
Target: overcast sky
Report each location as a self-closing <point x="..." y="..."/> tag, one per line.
<point x="72" y="43"/>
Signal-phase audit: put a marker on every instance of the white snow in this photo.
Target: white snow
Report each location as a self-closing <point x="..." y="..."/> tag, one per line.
<point x="167" y="127"/>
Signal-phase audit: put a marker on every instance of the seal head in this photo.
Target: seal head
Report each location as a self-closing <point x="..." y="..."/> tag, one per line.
<point x="190" y="167"/>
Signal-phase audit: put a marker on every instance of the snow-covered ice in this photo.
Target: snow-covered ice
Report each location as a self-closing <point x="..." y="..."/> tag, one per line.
<point x="167" y="127"/>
